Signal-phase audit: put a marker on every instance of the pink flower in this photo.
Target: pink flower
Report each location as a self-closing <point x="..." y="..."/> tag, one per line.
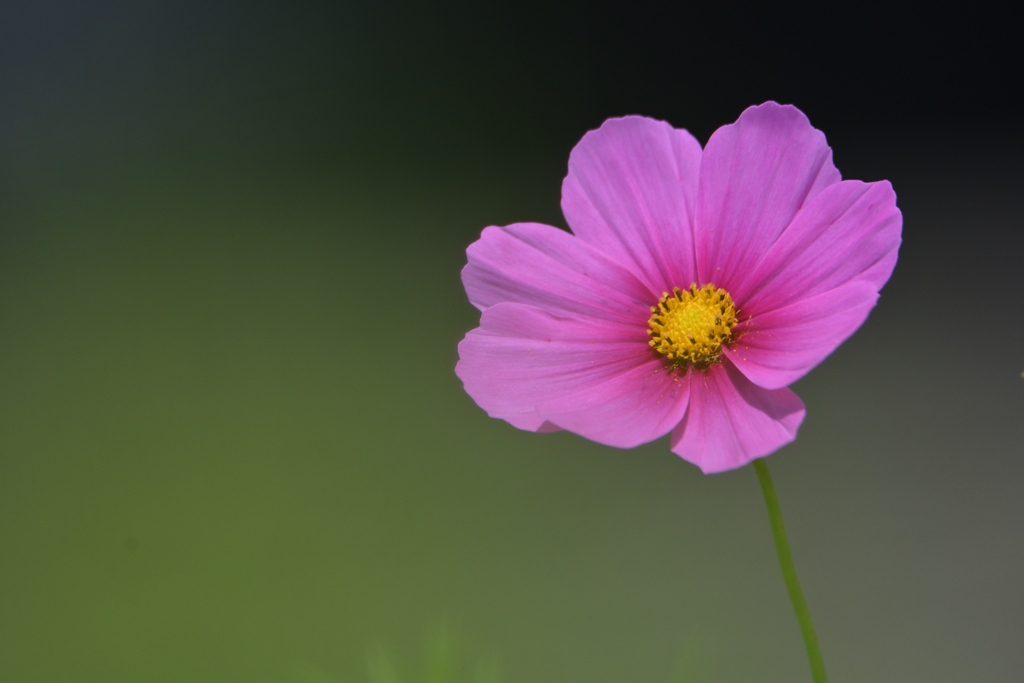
<point x="694" y="288"/>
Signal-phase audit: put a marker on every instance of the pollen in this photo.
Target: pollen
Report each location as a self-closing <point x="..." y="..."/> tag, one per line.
<point x="690" y="326"/>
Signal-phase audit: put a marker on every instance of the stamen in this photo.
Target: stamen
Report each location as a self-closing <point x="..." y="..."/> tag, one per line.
<point x="689" y="327"/>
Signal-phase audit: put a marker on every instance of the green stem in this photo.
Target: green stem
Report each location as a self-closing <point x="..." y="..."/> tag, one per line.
<point x="796" y="596"/>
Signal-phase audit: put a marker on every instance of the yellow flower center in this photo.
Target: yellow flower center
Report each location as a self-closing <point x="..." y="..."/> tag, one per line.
<point x="690" y="326"/>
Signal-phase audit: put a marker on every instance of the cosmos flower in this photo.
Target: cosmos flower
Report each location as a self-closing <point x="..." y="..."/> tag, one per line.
<point x="695" y="287"/>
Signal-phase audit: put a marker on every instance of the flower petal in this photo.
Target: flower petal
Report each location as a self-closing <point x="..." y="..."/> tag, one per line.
<point x="521" y="357"/>
<point x="546" y="267"/>
<point x="754" y="176"/>
<point x="629" y="409"/>
<point x="630" y="192"/>
<point x="849" y="232"/>
<point x="779" y="347"/>
<point x="730" y="421"/>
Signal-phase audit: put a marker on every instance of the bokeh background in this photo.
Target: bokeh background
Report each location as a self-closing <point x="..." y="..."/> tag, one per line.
<point x="232" y="446"/>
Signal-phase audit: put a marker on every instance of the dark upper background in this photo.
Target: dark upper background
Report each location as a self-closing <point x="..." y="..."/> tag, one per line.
<point x="440" y="81"/>
<point x="231" y="444"/>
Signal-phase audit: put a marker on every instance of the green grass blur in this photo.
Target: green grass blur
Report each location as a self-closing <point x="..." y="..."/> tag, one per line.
<point x="234" y="449"/>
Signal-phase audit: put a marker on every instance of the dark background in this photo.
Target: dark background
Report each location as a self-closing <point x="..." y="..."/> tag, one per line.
<point x="231" y="443"/>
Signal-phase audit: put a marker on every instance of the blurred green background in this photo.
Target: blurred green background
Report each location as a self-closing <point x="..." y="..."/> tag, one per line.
<point x="232" y="445"/>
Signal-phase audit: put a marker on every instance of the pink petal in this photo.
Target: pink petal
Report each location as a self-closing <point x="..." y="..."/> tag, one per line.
<point x="851" y="231"/>
<point x="630" y="193"/>
<point x="549" y="268"/>
<point x="754" y="177"/>
<point x="627" y="410"/>
<point x="521" y="357"/>
<point x="779" y="347"/>
<point x="730" y="421"/>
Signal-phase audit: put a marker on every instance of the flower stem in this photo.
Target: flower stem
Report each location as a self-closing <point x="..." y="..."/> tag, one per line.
<point x="796" y="596"/>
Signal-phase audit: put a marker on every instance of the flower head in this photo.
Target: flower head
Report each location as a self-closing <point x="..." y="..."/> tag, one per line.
<point x="695" y="287"/>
